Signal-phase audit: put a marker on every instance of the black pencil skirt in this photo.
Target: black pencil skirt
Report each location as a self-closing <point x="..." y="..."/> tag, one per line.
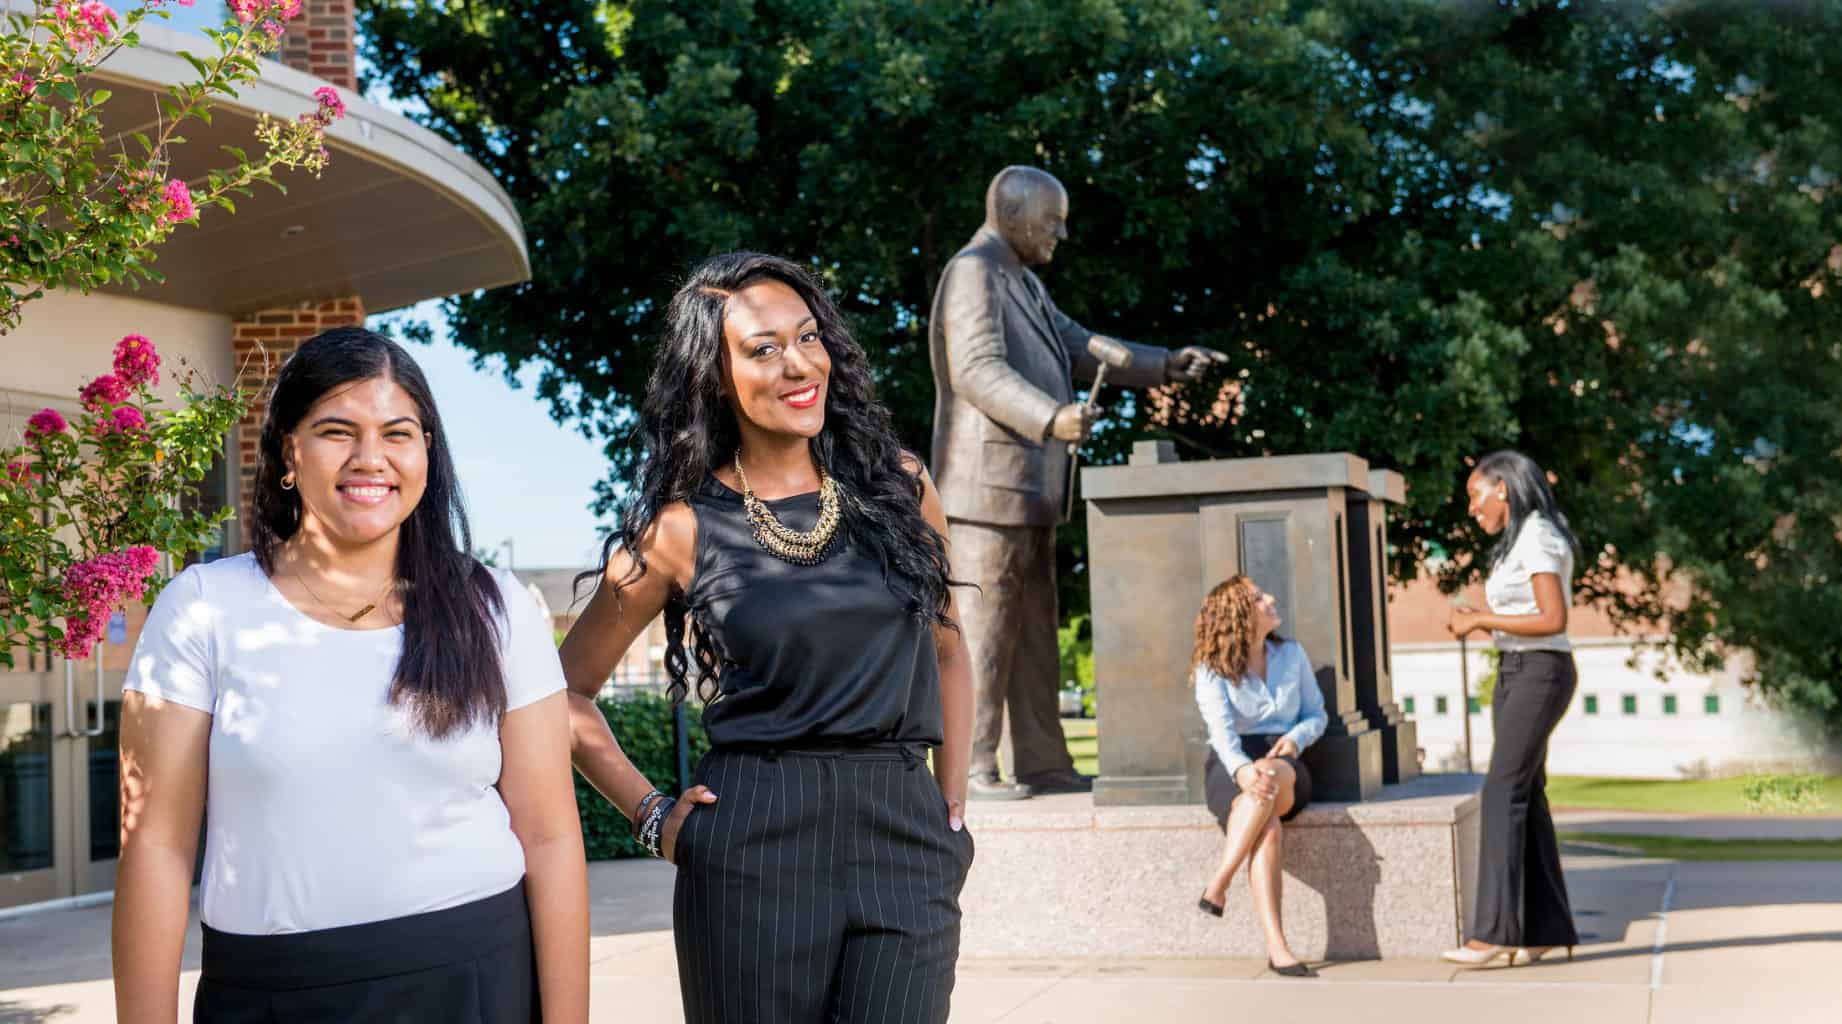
<point x="1220" y="789"/>
<point x="822" y="885"/>
<point x="471" y="964"/>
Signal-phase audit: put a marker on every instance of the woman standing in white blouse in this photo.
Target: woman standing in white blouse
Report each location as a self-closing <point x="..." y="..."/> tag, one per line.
<point x="1522" y="911"/>
<point x="378" y="724"/>
<point x="1262" y="707"/>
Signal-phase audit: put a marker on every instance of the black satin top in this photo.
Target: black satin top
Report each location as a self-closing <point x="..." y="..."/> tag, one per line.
<point x="812" y="655"/>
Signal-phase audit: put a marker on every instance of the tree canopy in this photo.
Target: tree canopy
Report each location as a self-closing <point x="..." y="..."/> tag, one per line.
<point x="1604" y="233"/>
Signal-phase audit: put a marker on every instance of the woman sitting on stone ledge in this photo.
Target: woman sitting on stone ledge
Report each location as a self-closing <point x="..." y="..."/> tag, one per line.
<point x="1262" y="707"/>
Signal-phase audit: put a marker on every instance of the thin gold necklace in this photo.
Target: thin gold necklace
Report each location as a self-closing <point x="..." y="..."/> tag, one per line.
<point x="789" y="545"/>
<point x="355" y="616"/>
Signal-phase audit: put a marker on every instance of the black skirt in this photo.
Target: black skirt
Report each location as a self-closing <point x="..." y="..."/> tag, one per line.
<point x="471" y="964"/>
<point x="1220" y="789"/>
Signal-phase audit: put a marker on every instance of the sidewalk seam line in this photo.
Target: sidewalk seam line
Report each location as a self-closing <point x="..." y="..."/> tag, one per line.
<point x="1662" y="935"/>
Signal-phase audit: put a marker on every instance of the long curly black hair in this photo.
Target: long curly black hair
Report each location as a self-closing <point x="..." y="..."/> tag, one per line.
<point x="689" y="429"/>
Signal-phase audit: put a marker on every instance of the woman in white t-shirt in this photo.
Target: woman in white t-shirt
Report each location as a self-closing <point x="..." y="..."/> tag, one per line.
<point x="378" y="725"/>
<point x="1521" y="911"/>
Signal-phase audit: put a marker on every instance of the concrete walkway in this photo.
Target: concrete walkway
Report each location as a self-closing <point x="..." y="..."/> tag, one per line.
<point x="1641" y="823"/>
<point x="1663" y="943"/>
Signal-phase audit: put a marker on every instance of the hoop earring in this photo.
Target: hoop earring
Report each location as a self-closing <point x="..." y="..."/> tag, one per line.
<point x="287" y="482"/>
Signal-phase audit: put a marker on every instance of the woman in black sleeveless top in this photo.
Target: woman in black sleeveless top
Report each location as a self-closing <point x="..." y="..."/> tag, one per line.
<point x="776" y="513"/>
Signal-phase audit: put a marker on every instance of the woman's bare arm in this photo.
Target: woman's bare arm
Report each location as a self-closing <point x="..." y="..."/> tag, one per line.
<point x="164" y="747"/>
<point x="614" y="619"/>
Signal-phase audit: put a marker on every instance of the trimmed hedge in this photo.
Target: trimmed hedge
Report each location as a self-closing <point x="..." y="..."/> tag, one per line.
<point x="643" y="725"/>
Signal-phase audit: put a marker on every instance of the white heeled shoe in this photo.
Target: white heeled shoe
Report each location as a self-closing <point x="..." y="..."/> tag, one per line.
<point x="1465" y="956"/>
<point x="1525" y="956"/>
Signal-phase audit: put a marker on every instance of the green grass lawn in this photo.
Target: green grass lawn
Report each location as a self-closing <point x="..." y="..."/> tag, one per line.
<point x="1682" y="848"/>
<point x="1083" y="743"/>
<point x="1675" y="796"/>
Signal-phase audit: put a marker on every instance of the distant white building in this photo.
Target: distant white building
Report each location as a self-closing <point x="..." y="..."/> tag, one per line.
<point x="1624" y="721"/>
<point x="644" y="663"/>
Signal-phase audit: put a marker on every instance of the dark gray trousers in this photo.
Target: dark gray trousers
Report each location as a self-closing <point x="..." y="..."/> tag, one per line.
<point x="821" y="886"/>
<point x="1521" y="894"/>
<point x="1009" y="624"/>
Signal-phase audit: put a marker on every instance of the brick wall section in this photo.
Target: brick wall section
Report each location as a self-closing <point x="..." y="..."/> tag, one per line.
<point x="320" y="42"/>
<point x="262" y="341"/>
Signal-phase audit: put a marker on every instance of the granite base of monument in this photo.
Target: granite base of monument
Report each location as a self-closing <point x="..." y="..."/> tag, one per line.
<point x="1061" y="877"/>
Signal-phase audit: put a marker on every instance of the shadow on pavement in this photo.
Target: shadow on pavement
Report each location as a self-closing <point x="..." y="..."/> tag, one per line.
<point x="18" y="1013"/>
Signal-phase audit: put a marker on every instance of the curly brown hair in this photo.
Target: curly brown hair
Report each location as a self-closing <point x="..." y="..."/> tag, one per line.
<point x="1225" y="628"/>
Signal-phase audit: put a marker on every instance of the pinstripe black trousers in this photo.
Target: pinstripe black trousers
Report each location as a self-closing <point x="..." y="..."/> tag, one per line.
<point x="822" y="886"/>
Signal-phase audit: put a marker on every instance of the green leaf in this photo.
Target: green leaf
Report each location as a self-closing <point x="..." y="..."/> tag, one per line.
<point x="202" y="69"/>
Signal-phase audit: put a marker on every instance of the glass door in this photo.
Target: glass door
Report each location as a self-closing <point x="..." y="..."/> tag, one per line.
<point x="59" y="780"/>
<point x="34" y="785"/>
<point x="94" y="754"/>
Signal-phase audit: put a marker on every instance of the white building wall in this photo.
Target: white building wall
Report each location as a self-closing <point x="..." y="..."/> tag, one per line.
<point x="67" y="338"/>
<point x="1740" y="735"/>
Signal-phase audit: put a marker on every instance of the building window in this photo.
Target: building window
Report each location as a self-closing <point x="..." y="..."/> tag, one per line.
<point x="1669" y="703"/>
<point x="1711" y="704"/>
<point x="1592" y="704"/>
<point x="1439" y="705"/>
<point x="1475" y="704"/>
<point x="1630" y="704"/>
<point x="1407" y="704"/>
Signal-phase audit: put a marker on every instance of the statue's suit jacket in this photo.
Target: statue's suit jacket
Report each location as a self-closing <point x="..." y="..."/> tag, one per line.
<point x="1005" y="359"/>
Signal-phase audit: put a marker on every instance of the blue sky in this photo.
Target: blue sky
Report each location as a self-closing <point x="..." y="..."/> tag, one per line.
<point x="525" y="476"/>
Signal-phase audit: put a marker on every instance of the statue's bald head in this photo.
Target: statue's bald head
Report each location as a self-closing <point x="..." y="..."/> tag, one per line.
<point x="1028" y="208"/>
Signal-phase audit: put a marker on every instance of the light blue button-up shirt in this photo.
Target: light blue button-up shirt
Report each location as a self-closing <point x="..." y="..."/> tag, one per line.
<point x="1286" y="702"/>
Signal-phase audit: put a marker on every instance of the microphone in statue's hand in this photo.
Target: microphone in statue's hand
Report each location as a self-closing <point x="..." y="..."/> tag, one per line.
<point x="1109" y="352"/>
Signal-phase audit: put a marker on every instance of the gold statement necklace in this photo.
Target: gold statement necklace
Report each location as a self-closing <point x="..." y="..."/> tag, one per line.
<point x="789" y="545"/>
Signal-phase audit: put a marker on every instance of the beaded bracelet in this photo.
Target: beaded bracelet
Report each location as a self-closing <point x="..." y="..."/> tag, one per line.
<point x="639" y="812"/>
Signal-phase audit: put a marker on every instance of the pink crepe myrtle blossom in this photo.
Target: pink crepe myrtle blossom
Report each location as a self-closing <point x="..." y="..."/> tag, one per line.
<point x="332" y="108"/>
<point x="97" y="587"/>
<point x="124" y="420"/>
<point x="44" y="423"/>
<point x="136" y="362"/>
<point x="178" y="202"/>
<point x="22" y="473"/>
<point x="107" y="389"/>
<point x="85" y="25"/>
<point x="99" y="18"/>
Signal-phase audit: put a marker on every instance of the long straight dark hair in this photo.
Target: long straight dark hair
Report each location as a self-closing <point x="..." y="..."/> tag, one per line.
<point x="688" y="430"/>
<point x="1529" y="495"/>
<point x="449" y="674"/>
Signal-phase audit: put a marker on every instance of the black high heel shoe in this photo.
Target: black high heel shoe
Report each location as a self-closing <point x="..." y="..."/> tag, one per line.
<point x="1297" y="970"/>
<point x="1212" y="909"/>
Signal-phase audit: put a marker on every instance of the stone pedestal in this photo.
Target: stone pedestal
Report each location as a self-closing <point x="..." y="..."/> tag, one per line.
<point x="1161" y="533"/>
<point x="1368" y="544"/>
<point x="1391" y="877"/>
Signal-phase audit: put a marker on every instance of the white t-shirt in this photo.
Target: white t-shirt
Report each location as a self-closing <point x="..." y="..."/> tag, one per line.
<point x="1510" y="590"/>
<point x="324" y="807"/>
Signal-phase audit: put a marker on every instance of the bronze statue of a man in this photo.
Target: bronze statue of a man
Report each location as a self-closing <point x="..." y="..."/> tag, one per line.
<point x="1005" y="362"/>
